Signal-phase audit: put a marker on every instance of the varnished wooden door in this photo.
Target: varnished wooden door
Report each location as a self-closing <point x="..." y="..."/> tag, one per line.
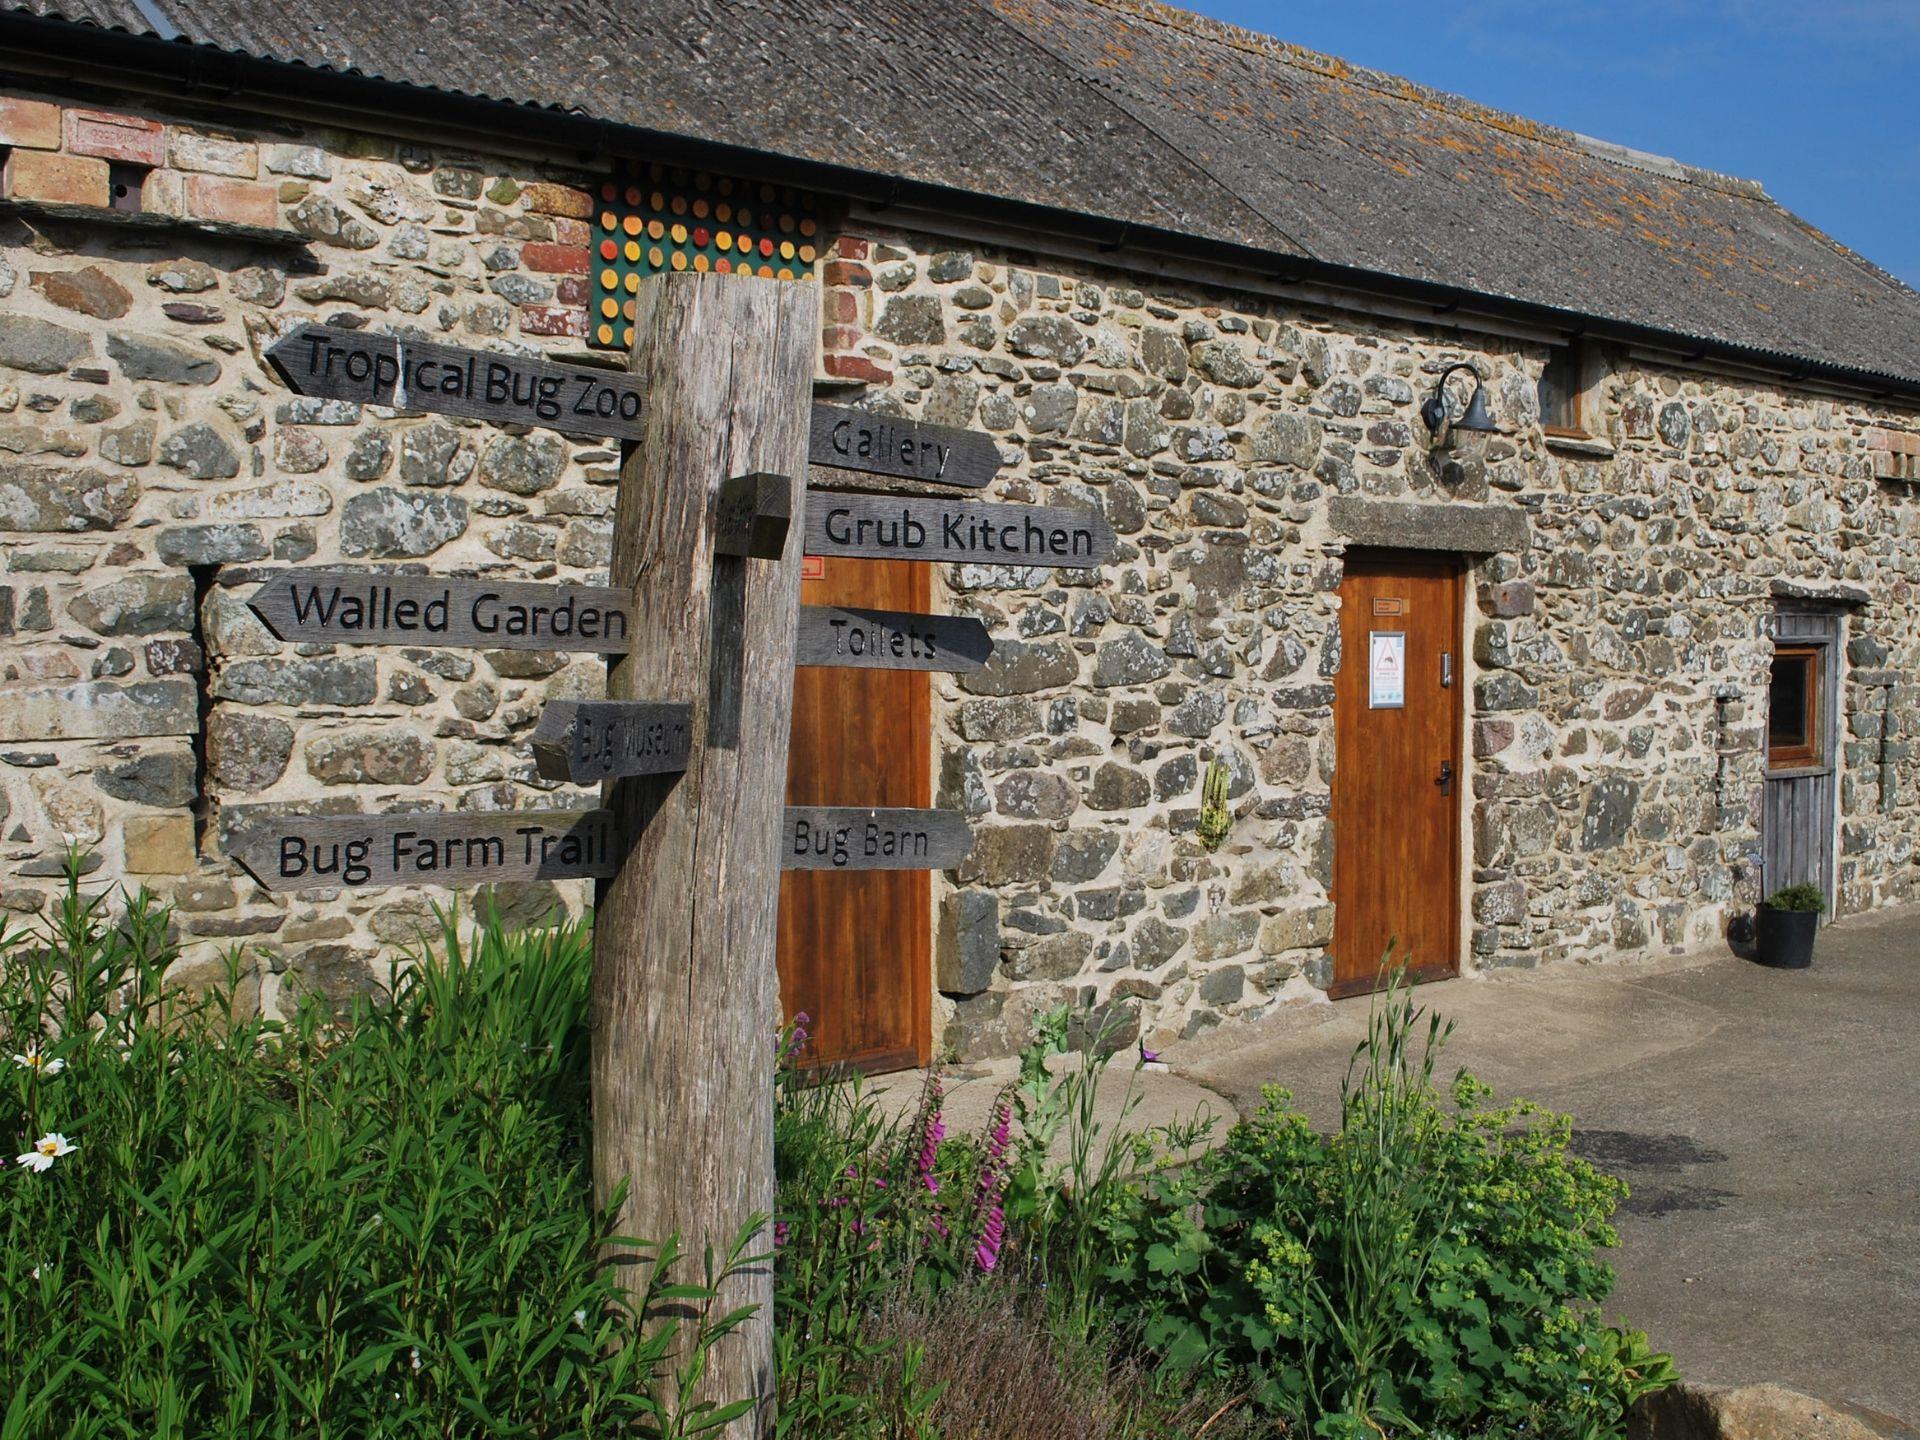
<point x="856" y="946"/>
<point x="1397" y="777"/>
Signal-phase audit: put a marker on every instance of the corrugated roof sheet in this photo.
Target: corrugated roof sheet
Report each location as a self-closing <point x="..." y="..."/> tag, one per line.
<point x="1136" y="112"/>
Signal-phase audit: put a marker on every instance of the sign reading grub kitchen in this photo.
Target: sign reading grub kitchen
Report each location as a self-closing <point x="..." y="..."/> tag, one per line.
<point x="373" y="609"/>
<point x="587" y="740"/>
<point x="481" y="384"/>
<point x="890" y="640"/>
<point x="887" y="445"/>
<point x="363" y="851"/>
<point x="822" y="837"/>
<point x="898" y="527"/>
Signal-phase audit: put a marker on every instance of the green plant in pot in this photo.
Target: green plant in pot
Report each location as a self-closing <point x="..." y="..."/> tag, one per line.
<point x="1785" y="926"/>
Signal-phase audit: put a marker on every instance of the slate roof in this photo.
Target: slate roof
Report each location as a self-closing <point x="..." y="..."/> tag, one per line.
<point x="1138" y="115"/>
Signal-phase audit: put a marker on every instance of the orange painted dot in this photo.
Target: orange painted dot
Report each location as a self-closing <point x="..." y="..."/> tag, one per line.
<point x="630" y="309"/>
<point x="786" y="249"/>
<point x="723" y="266"/>
<point x="679" y="206"/>
<point x="808" y="276"/>
<point x="766" y="272"/>
<point x="701" y="236"/>
<point x="726" y="186"/>
<point x="604" y="334"/>
<point x="807" y="253"/>
<point x="609" y="220"/>
<point x="703" y="181"/>
<point x="723" y="240"/>
<point x="701" y="209"/>
<point x="657" y="200"/>
<point x="655" y="229"/>
<point x="610" y="307"/>
<point x="701" y="263"/>
<point x="627" y="337"/>
<point x="633" y="282"/>
<point x="766" y="248"/>
<point x="679" y="259"/>
<point x="723" y="211"/>
<point x="786" y="224"/>
<point x="808" y="226"/>
<point x="633" y="252"/>
<point x="609" y="250"/>
<point x="766" y="194"/>
<point x="609" y="279"/>
<point x="655" y="173"/>
<point x="631" y="224"/>
<point x="656" y="258"/>
<point x="743" y="216"/>
<point x="679" y="234"/>
<point x="785" y="273"/>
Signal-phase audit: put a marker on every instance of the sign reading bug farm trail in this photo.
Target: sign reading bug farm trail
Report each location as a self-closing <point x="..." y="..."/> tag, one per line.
<point x="362" y="851"/>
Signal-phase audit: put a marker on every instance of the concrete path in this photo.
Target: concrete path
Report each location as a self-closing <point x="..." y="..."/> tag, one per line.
<point x="1767" y="1121"/>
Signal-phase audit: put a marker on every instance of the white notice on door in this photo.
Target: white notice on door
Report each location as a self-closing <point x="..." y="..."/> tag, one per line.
<point x="1386" y="669"/>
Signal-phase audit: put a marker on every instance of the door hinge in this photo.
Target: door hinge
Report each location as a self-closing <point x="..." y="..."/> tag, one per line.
<point x="1446" y="669"/>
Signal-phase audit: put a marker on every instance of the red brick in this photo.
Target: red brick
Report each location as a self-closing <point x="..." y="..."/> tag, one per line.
<point x="572" y="290"/>
<point x="1879" y="440"/>
<point x="29" y="124"/>
<point x="60" y="179"/>
<point x="237" y="202"/>
<point x="848" y="248"/>
<point x="552" y="320"/>
<point x="546" y="199"/>
<point x="117" y="137"/>
<point x="842" y="307"/>
<point x="840" y="272"/>
<point x="555" y="259"/>
<point x="572" y="232"/>
<point x="842" y="337"/>
<point x="856" y="367"/>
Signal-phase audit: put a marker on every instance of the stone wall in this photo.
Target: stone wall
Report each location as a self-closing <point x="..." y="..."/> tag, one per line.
<point x="152" y="468"/>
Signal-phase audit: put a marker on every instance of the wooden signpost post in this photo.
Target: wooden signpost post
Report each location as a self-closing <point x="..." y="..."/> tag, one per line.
<point x="709" y="530"/>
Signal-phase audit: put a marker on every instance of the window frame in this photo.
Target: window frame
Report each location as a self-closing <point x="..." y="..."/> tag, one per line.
<point x="1571" y="360"/>
<point x="1810" y="754"/>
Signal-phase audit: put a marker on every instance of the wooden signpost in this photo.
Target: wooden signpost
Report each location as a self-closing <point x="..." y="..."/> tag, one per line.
<point x="964" y="532"/>
<point x="904" y="449"/>
<point x="358" y="852"/>
<point x="584" y="741"/>
<point x="348" y="608"/>
<point x="374" y="369"/>
<point x="709" y="530"/>
<point x="890" y="640"/>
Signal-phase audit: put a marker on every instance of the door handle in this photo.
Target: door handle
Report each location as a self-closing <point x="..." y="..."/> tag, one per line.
<point x="1445" y="778"/>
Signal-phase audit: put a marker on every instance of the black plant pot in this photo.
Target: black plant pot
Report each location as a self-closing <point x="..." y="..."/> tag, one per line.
<point x="1784" y="938"/>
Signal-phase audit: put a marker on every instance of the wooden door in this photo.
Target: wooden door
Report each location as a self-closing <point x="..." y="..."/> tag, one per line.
<point x="1799" y="793"/>
<point x="856" y="946"/>
<point x="1398" y="773"/>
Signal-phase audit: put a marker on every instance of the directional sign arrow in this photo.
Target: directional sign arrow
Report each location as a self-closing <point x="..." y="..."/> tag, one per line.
<point x="824" y="837"/>
<point x="905" y="449"/>
<point x="587" y="740"/>
<point x="345" y="608"/>
<point x="363" y="851"/>
<point x="911" y="527"/>
<point x="890" y="640"/>
<point x="481" y="384"/>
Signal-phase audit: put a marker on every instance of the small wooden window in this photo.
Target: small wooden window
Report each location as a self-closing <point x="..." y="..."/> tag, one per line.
<point x="1561" y="393"/>
<point x="1793" y="707"/>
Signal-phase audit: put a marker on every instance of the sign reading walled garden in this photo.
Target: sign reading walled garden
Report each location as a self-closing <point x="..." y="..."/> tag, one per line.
<point x="691" y="887"/>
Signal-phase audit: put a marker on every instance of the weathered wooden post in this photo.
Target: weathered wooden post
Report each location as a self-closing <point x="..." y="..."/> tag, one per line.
<point x="685" y="1001"/>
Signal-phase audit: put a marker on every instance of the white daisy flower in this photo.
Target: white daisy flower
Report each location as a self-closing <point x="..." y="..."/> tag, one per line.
<point x="47" y="1149"/>
<point x="34" y="1060"/>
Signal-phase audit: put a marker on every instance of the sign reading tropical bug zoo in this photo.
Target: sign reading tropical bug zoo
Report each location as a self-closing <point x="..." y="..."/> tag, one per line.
<point x="363" y="851"/>
<point x="373" y="609"/>
<point x="480" y="384"/>
<point x="827" y="837"/>
<point x="587" y="740"/>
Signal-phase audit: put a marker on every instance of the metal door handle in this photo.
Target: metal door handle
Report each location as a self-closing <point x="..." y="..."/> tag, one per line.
<point x="1445" y="778"/>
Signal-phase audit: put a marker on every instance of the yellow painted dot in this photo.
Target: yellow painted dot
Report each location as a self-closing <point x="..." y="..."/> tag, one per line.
<point x="701" y="263"/>
<point x="633" y="252"/>
<point x="609" y="279"/>
<point x="604" y="334"/>
<point x="609" y="220"/>
<point x="679" y="234"/>
<point x="656" y="258"/>
<point x="627" y="337"/>
<point x="807" y="253"/>
<point x="723" y="240"/>
<point x="808" y="276"/>
<point x="633" y="282"/>
<point x="655" y="229"/>
<point x="785" y="273"/>
<point x="610" y="307"/>
<point x="786" y="249"/>
<point x="679" y="259"/>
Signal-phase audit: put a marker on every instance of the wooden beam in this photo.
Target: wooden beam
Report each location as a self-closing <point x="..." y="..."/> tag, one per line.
<point x="685" y="994"/>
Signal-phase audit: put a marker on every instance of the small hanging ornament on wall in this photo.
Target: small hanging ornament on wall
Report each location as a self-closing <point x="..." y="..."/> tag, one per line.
<point x="1216" y="819"/>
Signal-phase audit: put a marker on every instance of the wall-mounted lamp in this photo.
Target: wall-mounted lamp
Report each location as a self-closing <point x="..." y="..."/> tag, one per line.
<point x="1437" y="412"/>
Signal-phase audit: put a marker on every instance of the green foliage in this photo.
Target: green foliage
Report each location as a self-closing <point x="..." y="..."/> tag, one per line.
<point x="371" y="1225"/>
<point x="1216" y="818"/>
<point x="1430" y="1266"/>
<point x="1801" y="897"/>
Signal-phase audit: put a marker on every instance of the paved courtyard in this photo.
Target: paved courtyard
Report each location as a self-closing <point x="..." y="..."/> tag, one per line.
<point x="1768" y="1122"/>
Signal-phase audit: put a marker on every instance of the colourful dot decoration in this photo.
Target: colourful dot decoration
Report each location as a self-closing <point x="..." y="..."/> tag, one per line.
<point x="655" y="218"/>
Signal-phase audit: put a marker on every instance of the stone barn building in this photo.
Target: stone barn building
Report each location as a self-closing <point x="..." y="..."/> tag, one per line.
<point x="1580" y="686"/>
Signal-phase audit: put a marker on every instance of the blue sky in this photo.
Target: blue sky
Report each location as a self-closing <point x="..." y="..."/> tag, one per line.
<point x="1819" y="100"/>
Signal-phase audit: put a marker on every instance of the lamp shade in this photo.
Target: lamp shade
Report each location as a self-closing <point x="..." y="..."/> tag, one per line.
<point x="1476" y="417"/>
